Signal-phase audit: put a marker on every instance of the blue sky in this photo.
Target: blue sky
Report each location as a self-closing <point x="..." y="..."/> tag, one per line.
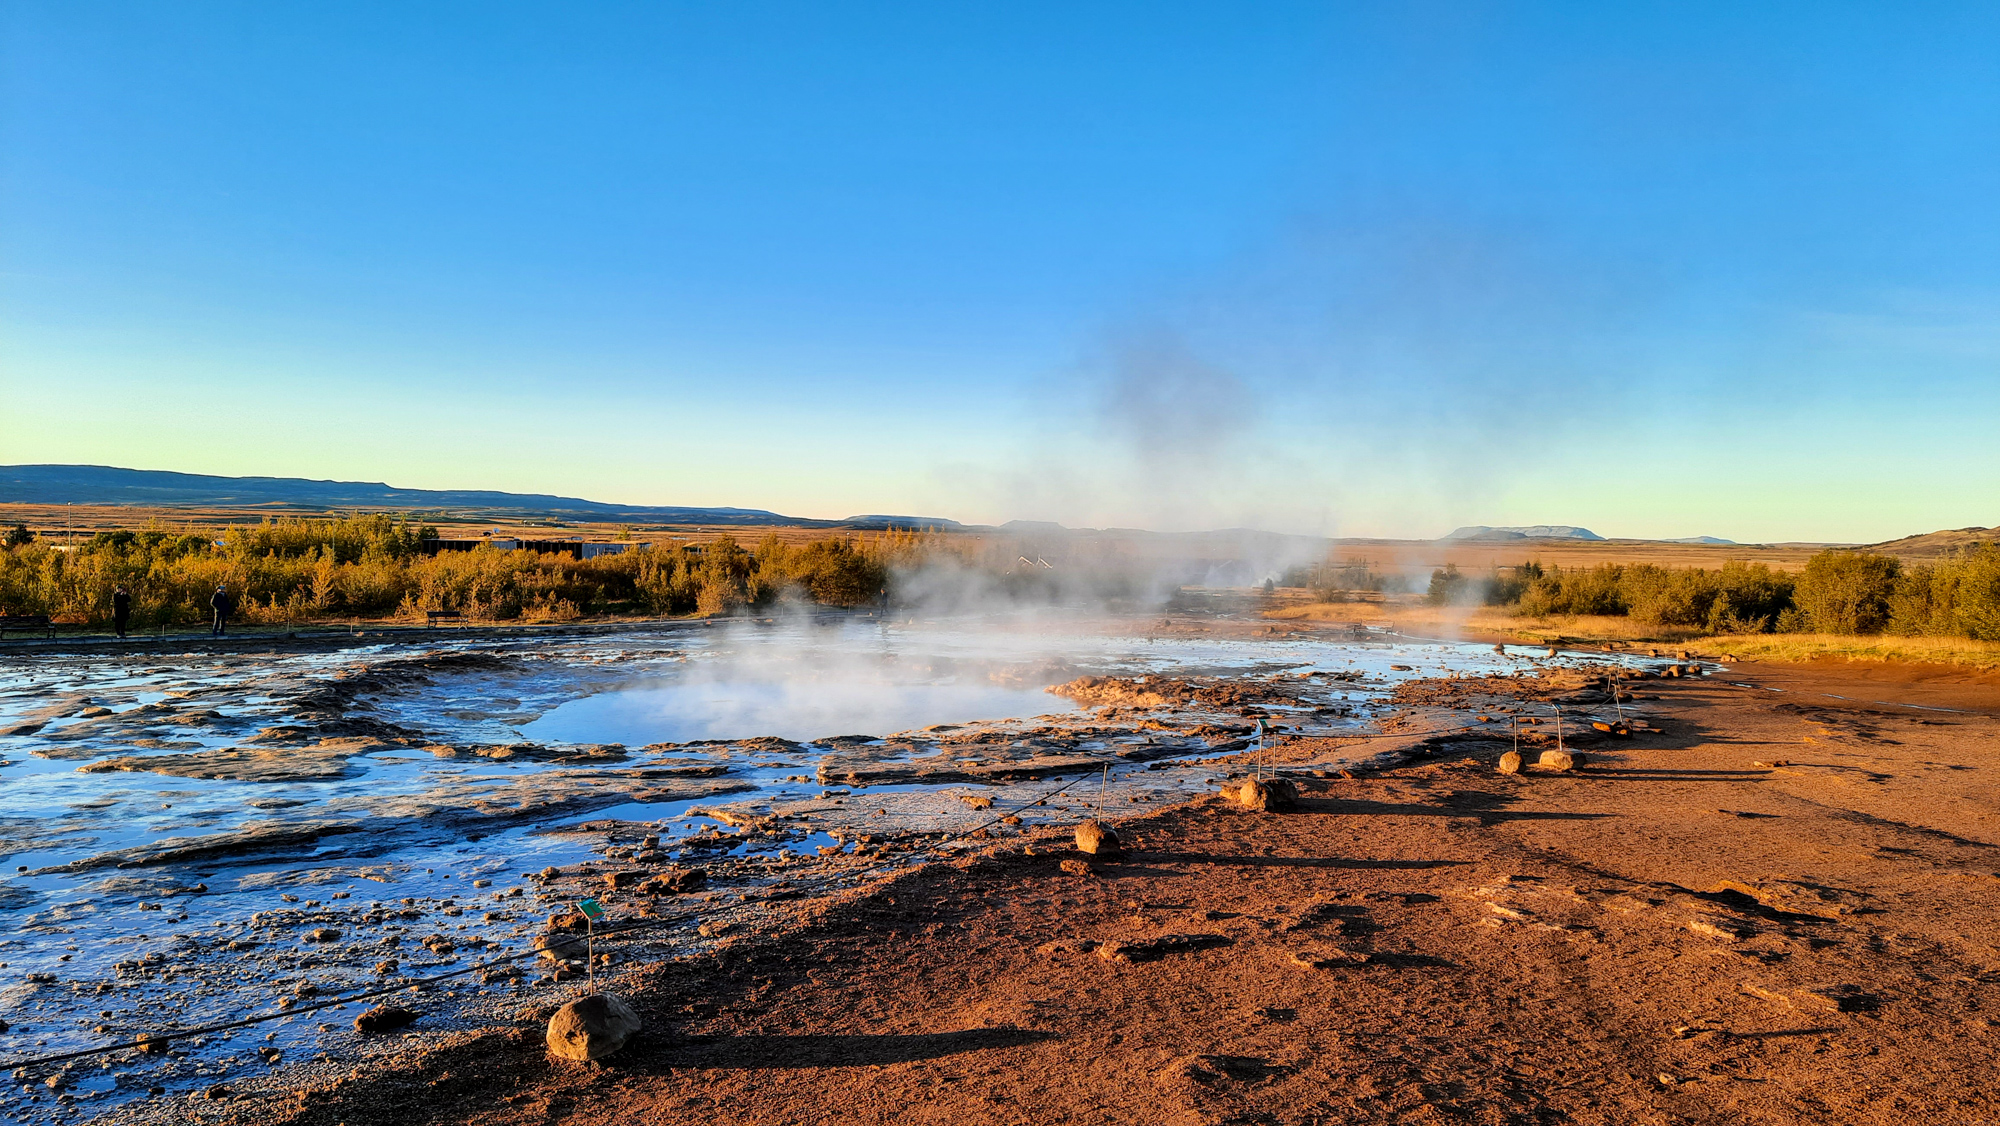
<point x="1350" y="269"/>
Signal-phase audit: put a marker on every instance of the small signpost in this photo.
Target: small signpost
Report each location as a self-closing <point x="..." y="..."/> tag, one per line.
<point x="592" y="911"/>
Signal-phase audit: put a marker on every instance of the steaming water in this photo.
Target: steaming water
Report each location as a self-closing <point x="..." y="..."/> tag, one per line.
<point x="63" y="917"/>
<point x="808" y="683"/>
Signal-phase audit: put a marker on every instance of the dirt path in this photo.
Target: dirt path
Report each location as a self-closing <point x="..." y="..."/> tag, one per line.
<point x="1783" y="908"/>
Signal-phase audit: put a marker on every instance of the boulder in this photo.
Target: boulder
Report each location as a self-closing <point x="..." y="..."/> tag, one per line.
<point x="591" y="1028"/>
<point x="384" y="1018"/>
<point x="1272" y="795"/>
<point x="1510" y="763"/>
<point x="1553" y="759"/>
<point x="1096" y="838"/>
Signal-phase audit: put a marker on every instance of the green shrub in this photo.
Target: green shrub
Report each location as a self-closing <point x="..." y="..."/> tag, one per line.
<point x="1958" y="596"/>
<point x="1448" y="586"/>
<point x="1847" y="591"/>
<point x="369" y="566"/>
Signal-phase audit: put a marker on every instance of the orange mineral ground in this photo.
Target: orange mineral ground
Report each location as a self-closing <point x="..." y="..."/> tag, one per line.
<point x="1780" y="905"/>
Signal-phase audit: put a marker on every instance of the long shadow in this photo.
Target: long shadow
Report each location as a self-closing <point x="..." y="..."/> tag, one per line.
<point x="1292" y="861"/>
<point x="1664" y="774"/>
<point x="1482" y="810"/>
<point x="761" y="1051"/>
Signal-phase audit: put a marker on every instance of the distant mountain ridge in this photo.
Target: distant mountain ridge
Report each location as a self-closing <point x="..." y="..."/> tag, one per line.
<point x="103" y="484"/>
<point x="1528" y="532"/>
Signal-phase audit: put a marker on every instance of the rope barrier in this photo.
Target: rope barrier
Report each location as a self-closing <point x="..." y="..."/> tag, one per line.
<point x="616" y="931"/>
<point x="164" y="1037"/>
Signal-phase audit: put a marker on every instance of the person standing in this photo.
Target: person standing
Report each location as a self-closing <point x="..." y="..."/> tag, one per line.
<point x="223" y="604"/>
<point x="121" y="610"/>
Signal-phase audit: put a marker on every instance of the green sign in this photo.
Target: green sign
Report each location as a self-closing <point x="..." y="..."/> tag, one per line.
<point x="591" y="909"/>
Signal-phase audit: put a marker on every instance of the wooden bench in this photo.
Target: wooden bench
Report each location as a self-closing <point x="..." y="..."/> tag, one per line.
<point x="433" y="617"/>
<point x="26" y="622"/>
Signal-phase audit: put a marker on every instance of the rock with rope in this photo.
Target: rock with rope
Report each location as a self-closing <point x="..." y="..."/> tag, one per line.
<point x="1268" y="795"/>
<point x="1553" y="759"/>
<point x="591" y="1028"/>
<point x="1097" y="839"/>
<point x="1510" y="763"/>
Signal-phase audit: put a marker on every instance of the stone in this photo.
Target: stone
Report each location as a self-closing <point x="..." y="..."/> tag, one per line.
<point x="616" y="880"/>
<point x="1097" y="839"/>
<point x="591" y="1028"/>
<point x="151" y="1044"/>
<point x="386" y="966"/>
<point x="1075" y="867"/>
<point x="1328" y="959"/>
<point x="384" y="1018"/>
<point x="1553" y="759"/>
<point x="978" y="802"/>
<point x="1153" y="949"/>
<point x="558" y="947"/>
<point x="674" y="881"/>
<point x="551" y="873"/>
<point x="322" y="934"/>
<point x="1271" y="795"/>
<point x="1510" y="763"/>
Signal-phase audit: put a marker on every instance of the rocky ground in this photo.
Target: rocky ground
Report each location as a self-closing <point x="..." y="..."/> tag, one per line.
<point x="1774" y="902"/>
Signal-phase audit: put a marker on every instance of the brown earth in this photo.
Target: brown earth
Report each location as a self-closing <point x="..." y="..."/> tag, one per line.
<point x="1784" y="907"/>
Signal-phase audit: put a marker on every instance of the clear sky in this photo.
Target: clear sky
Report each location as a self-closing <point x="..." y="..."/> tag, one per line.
<point x="1353" y="269"/>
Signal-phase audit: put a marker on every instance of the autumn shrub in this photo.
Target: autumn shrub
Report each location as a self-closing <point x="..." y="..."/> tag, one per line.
<point x="1847" y="592"/>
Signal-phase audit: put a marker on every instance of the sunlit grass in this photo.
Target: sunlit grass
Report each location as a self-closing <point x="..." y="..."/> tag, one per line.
<point x="1489" y="623"/>
<point x="1820" y="646"/>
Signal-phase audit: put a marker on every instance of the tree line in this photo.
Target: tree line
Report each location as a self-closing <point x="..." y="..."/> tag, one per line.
<point x="1838" y="591"/>
<point x="375" y="566"/>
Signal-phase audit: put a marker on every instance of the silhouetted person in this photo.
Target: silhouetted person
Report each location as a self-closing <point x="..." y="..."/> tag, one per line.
<point x="121" y="610"/>
<point x="223" y="604"/>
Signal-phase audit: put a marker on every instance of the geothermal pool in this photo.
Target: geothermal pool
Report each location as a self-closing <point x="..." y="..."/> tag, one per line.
<point x="172" y="821"/>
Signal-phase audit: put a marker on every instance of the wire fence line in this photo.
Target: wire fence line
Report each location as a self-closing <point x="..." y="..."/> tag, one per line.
<point x="163" y="1037"/>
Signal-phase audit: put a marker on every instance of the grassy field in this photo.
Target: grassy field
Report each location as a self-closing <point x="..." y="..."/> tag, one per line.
<point x="1496" y="624"/>
<point x="1801" y="647"/>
